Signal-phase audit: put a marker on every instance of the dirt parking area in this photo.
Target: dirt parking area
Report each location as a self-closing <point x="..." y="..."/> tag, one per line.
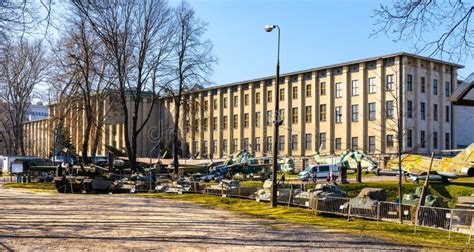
<point x="46" y="221"/>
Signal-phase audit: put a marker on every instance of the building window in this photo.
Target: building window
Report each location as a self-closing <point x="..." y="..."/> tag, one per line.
<point x="371" y="144"/>
<point x="338" y="114"/>
<point x="214" y="146"/>
<point x="281" y="116"/>
<point x="355" y="113"/>
<point x="389" y="79"/>
<point x="435" y="140"/>
<point x="281" y="143"/>
<point x="225" y="122"/>
<point x="435" y="112"/>
<point x="446" y="88"/>
<point x="322" y="112"/>
<point x="308" y="114"/>
<point x="447" y="114"/>
<point x="322" y="141"/>
<point x="257" y="98"/>
<point x="423" y="84"/>
<point x="409" y="82"/>
<point x="446" y="141"/>
<point x="389" y="141"/>
<point x="206" y="105"/>
<point x="422" y="139"/>
<point x="308" y="138"/>
<point x="372" y="112"/>
<point x="409" y="109"/>
<point x="338" y="90"/>
<point x="355" y="87"/>
<point x="269" y="117"/>
<point x="422" y="111"/>
<point x="409" y="138"/>
<point x="257" y="144"/>
<point x="308" y="90"/>
<point x="372" y="87"/>
<point x="389" y="109"/>
<point x="338" y="144"/>
<point x="355" y="143"/>
<point x="294" y="142"/>
<point x="435" y="87"/>
<point x="236" y="101"/>
<point x="196" y="147"/>
<point x="295" y="93"/>
<point x="246" y="99"/>
<point x="204" y="124"/>
<point x="214" y="123"/>
<point x="214" y="104"/>
<point x="294" y="114"/>
<point x="225" y="102"/>
<point x="282" y="94"/>
<point x="257" y="119"/>
<point x="246" y="120"/>
<point x="236" y="121"/>
<point x="234" y="146"/>
<point x="269" y="143"/>
<point x="323" y="88"/>
<point x="224" y="145"/>
<point x="204" y="149"/>
<point x="269" y="96"/>
<point x="245" y="143"/>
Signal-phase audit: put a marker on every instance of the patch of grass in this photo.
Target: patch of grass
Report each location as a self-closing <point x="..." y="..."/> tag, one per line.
<point x="251" y="183"/>
<point x="385" y="230"/>
<point x="32" y="186"/>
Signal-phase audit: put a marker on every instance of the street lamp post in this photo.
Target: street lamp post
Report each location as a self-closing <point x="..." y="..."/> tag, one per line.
<point x="276" y="121"/>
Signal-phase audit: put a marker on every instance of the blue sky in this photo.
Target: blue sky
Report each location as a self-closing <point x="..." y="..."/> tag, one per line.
<point x="313" y="33"/>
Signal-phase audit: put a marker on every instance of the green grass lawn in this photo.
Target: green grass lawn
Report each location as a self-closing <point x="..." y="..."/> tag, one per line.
<point x="32" y="186"/>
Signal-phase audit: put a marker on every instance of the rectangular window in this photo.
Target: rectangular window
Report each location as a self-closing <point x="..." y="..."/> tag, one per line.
<point x="422" y="111"/>
<point x="308" y="90"/>
<point x="269" y="96"/>
<point x="204" y="149"/>
<point x="224" y="145"/>
<point x="214" y="124"/>
<point x="371" y="144"/>
<point x="294" y="114"/>
<point x="246" y="99"/>
<point x="409" y="109"/>
<point x="435" y="140"/>
<point x="236" y="101"/>
<point x="281" y="143"/>
<point x="338" y="90"/>
<point x="338" y="144"/>
<point x="447" y="114"/>
<point x="389" y="79"/>
<point x="372" y="87"/>
<point x="435" y="112"/>
<point x="435" y="87"/>
<point x="389" y="141"/>
<point x="422" y="139"/>
<point x="234" y="146"/>
<point x="446" y="88"/>
<point x="269" y="143"/>
<point x="389" y="109"/>
<point x="338" y="114"/>
<point x="323" y="88"/>
<point x="225" y="122"/>
<point x="355" y="143"/>
<point x="355" y="87"/>
<point x="282" y="94"/>
<point x="236" y="121"/>
<point x="257" y="144"/>
<point x="225" y="102"/>
<point x="214" y="146"/>
<point x="308" y="114"/>
<point x="409" y="82"/>
<point x="206" y="105"/>
<point x="409" y="138"/>
<point x="269" y="117"/>
<point x="447" y="141"/>
<point x="295" y="93"/>
<point x="245" y="144"/>
<point x="246" y="120"/>
<point x="322" y="112"/>
<point x="257" y="98"/>
<point x="196" y="147"/>
<point x="355" y="113"/>
<point x="294" y="142"/>
<point x="423" y="84"/>
<point x="322" y="141"/>
<point x="281" y="116"/>
<point x="372" y="112"/>
<point x="257" y="119"/>
<point x="308" y="138"/>
<point x="204" y="124"/>
<point x="214" y="104"/>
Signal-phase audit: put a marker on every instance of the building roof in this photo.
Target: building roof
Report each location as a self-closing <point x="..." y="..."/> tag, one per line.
<point x="461" y="96"/>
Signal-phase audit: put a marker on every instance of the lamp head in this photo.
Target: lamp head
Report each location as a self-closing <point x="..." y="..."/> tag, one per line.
<point x="269" y="28"/>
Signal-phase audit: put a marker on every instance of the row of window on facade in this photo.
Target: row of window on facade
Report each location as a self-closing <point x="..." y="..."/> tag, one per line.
<point x="338" y="92"/>
<point x="338" y="144"/>
<point x="308" y="115"/>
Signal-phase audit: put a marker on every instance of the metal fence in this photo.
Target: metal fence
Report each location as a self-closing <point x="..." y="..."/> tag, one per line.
<point x="452" y="220"/>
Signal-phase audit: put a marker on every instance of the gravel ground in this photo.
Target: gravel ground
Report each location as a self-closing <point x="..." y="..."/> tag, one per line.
<point x="43" y="221"/>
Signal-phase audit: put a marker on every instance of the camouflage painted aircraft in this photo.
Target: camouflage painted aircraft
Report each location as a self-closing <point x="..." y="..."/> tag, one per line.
<point x="461" y="165"/>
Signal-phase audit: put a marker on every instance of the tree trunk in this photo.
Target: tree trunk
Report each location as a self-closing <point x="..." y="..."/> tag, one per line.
<point x="175" y="135"/>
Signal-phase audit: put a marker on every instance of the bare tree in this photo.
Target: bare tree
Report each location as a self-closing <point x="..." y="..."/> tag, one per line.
<point x="137" y="39"/>
<point x="435" y="27"/>
<point x="193" y="63"/>
<point x="22" y="68"/>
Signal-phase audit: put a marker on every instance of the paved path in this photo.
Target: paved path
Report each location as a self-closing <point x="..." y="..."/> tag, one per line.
<point x="43" y="221"/>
